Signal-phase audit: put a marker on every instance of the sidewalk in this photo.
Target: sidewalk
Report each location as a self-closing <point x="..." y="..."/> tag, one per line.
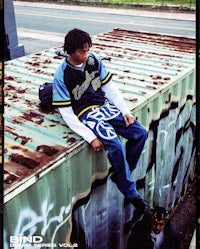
<point x="133" y="12"/>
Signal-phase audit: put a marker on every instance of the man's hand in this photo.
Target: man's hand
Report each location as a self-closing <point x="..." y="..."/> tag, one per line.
<point x="129" y="119"/>
<point x="97" y="145"/>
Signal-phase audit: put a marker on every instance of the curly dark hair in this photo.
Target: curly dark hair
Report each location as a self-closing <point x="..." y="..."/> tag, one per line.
<point x="159" y="213"/>
<point x="76" y="39"/>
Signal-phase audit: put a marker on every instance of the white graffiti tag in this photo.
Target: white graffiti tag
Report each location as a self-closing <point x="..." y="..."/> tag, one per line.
<point x="30" y="223"/>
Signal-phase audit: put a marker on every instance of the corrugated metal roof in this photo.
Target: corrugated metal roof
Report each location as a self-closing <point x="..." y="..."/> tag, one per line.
<point x="143" y="64"/>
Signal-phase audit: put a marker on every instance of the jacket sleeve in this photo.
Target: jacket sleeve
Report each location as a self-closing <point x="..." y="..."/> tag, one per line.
<point x="115" y="97"/>
<point x="171" y="239"/>
<point x="75" y="124"/>
<point x="131" y="244"/>
<point x="61" y="96"/>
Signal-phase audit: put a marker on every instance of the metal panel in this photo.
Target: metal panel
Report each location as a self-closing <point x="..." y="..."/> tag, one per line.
<point x="48" y="167"/>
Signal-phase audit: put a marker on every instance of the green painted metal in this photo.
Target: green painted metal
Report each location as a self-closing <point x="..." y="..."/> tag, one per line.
<point x="50" y="171"/>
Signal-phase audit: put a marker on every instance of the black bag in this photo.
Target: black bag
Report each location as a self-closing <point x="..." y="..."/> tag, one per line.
<point x="46" y="94"/>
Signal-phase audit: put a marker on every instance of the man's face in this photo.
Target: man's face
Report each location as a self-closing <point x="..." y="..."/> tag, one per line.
<point x="81" y="54"/>
<point x="158" y="226"/>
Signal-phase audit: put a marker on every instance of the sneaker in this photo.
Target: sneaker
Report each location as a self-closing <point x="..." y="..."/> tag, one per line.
<point x="140" y="204"/>
<point x="142" y="207"/>
<point x="137" y="215"/>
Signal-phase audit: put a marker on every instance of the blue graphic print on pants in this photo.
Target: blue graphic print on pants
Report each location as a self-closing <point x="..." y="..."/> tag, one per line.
<point x="106" y="122"/>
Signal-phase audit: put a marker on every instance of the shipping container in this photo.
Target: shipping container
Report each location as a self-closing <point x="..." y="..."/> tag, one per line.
<point x="58" y="192"/>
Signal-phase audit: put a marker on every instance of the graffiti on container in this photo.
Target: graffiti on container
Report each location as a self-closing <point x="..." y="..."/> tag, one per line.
<point x="171" y="147"/>
<point x="30" y="223"/>
<point x="173" y="144"/>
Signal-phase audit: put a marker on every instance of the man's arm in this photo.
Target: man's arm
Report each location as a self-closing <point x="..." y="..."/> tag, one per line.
<point x="61" y="96"/>
<point x="78" y="127"/>
<point x="114" y="96"/>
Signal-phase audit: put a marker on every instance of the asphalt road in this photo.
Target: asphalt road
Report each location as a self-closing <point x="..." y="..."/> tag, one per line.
<point x="41" y="28"/>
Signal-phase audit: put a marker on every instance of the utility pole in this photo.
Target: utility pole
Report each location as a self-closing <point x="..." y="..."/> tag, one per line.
<point x="12" y="49"/>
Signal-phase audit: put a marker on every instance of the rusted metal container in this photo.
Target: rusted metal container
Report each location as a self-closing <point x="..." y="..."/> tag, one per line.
<point x="55" y="186"/>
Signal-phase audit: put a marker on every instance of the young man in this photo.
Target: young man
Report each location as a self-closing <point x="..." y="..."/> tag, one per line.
<point x="92" y="107"/>
<point x="154" y="232"/>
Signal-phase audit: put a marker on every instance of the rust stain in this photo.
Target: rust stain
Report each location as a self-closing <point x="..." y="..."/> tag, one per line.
<point x="143" y="92"/>
<point x="25" y="161"/>
<point x="17" y="136"/>
<point x="151" y="87"/>
<point x="9" y="178"/>
<point x="156" y="77"/>
<point x="17" y="147"/>
<point x="12" y="88"/>
<point x="9" y="78"/>
<point x="34" y="117"/>
<point x="47" y="150"/>
<point x="70" y="139"/>
<point x="34" y="64"/>
<point x="180" y="44"/>
<point x="133" y="99"/>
